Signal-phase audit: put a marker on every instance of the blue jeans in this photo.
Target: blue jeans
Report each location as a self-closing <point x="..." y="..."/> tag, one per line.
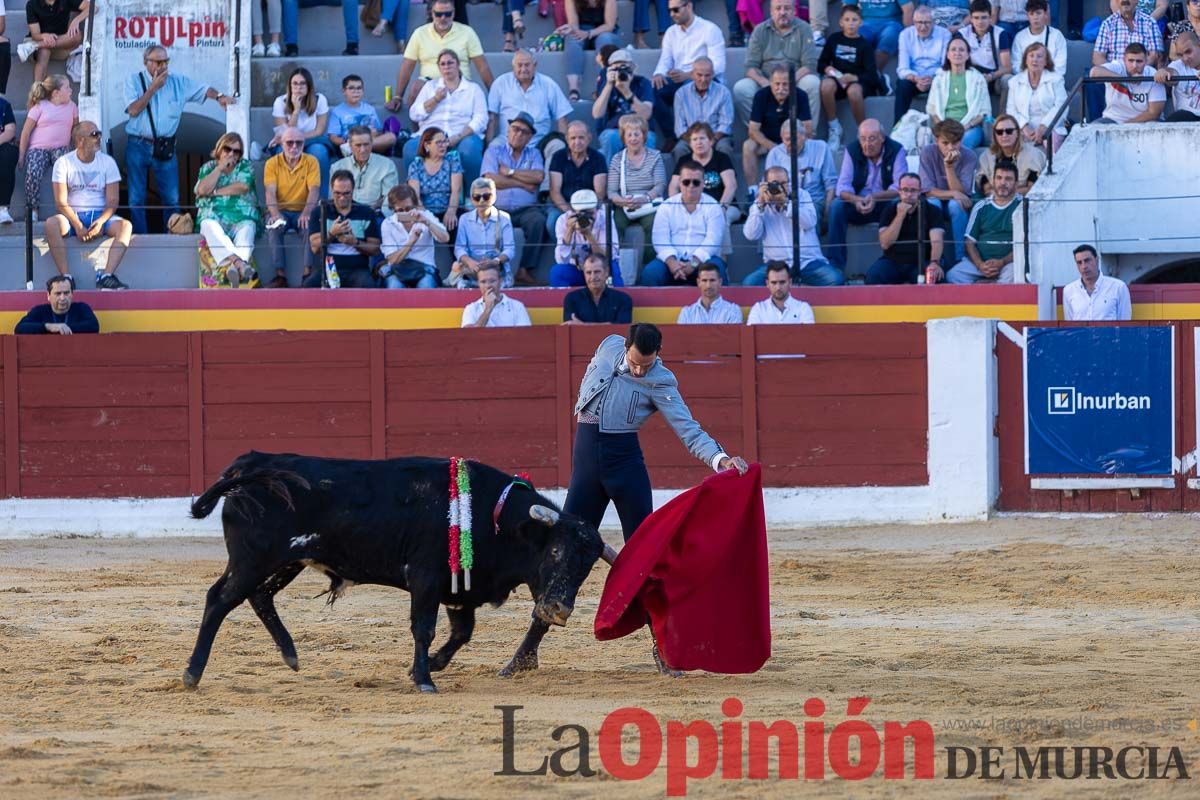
<point x="641" y="16"/>
<point x="319" y="147"/>
<point x="886" y="272"/>
<point x="470" y="151"/>
<point x="570" y="275"/>
<point x="506" y="23"/>
<point x="291" y="222"/>
<point x="958" y="226"/>
<point x="575" y="47"/>
<point x="656" y="273"/>
<point x="1096" y="103"/>
<point x="973" y="138"/>
<point x="395" y="12"/>
<point x="882" y="34"/>
<point x="610" y="142"/>
<point x="427" y="281"/>
<point x="664" y="110"/>
<point x="817" y="272"/>
<point x="291" y="18"/>
<point x="138" y="163"/>
<point x="841" y="216"/>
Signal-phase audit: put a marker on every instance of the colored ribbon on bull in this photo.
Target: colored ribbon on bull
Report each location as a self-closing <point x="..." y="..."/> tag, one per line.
<point x="462" y="551"/>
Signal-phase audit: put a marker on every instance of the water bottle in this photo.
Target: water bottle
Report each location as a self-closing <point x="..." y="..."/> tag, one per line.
<point x="331" y="274"/>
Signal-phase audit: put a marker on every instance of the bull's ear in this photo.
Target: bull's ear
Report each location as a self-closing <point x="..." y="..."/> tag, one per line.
<point x="543" y="514"/>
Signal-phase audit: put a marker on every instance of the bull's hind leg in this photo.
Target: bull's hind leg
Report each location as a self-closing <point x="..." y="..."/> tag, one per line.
<point x="526" y="657"/>
<point x="462" y="625"/>
<point x="223" y="596"/>
<point x="263" y="603"/>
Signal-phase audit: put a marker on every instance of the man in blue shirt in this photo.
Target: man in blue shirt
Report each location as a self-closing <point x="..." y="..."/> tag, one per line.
<point x="922" y="51"/>
<point x="154" y="101"/>
<point x="596" y="303"/>
<point x="485" y="238"/>
<point x="61" y="315"/>
<point x="517" y="169"/>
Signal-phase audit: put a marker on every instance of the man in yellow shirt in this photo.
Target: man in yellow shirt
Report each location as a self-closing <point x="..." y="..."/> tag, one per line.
<point x="292" y="183"/>
<point x="427" y="42"/>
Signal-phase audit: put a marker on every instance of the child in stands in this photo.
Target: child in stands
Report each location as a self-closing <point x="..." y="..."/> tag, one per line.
<point x="46" y="134"/>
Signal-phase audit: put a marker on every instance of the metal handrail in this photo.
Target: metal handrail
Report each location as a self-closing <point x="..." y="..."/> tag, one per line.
<point x="87" y="51"/>
<point x="237" y="48"/>
<point x="1047" y="137"/>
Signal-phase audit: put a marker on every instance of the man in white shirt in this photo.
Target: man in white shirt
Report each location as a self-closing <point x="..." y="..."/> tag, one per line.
<point x="770" y="221"/>
<point x="691" y="37"/>
<point x="1131" y="102"/>
<point x="688" y="230"/>
<point x="1040" y="31"/>
<point x="710" y="308"/>
<point x="493" y="309"/>
<point x="1185" y="95"/>
<point x="1094" y="296"/>
<point x="86" y="188"/>
<point x="780" y="308"/>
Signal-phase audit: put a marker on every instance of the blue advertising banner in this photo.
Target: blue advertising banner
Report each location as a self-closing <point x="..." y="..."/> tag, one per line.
<point x="1100" y="400"/>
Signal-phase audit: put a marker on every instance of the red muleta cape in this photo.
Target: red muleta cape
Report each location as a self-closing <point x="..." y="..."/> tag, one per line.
<point x="698" y="567"/>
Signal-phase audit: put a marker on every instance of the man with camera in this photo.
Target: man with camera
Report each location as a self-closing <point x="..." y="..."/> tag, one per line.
<point x="770" y="221"/>
<point x="583" y="230"/>
<point x="154" y="101"/>
<point x="621" y="91"/>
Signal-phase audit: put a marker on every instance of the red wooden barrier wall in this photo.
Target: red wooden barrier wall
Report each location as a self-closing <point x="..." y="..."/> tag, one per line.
<point x="150" y="415"/>
<point x="1016" y="493"/>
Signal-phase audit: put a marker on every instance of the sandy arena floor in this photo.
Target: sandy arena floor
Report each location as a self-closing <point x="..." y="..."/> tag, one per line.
<point x="1014" y="632"/>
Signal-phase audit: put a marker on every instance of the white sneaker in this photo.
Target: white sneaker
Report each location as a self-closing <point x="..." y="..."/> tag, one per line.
<point x="26" y="49"/>
<point x="256" y="151"/>
<point x="835" y="133"/>
<point x="33" y="215"/>
<point x="258" y="51"/>
<point x="5" y="217"/>
<point x="273" y="50"/>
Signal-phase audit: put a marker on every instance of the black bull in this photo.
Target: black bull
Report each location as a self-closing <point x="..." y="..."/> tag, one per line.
<point x="386" y="522"/>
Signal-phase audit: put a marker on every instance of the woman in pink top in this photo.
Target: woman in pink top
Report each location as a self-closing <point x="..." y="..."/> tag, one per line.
<point x="47" y="131"/>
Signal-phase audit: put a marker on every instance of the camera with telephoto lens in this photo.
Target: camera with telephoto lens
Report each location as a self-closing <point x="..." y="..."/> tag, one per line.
<point x="774" y="187"/>
<point x="584" y="219"/>
<point x="624" y="72"/>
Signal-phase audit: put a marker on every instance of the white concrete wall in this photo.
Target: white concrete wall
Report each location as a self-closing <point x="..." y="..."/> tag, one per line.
<point x="962" y="458"/>
<point x="1102" y="192"/>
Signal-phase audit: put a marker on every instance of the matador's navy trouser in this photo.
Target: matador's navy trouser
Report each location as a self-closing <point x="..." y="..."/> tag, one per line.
<point x="604" y="467"/>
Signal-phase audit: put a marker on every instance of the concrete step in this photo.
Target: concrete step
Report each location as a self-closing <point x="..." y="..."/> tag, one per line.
<point x="153" y="261"/>
<point x="322" y="31"/>
<point x="268" y="76"/>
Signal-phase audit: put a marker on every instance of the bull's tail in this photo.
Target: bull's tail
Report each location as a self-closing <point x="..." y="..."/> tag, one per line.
<point x="233" y="485"/>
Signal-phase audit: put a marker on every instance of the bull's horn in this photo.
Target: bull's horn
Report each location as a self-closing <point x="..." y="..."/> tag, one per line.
<point x="609" y="555"/>
<point x="544" y="515"/>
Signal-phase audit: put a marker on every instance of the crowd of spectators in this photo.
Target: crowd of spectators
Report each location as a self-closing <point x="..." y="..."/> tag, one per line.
<point x="487" y="155"/>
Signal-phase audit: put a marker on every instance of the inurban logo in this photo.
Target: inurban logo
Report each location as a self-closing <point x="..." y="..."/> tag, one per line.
<point x="1062" y="399"/>
<point x="1067" y="400"/>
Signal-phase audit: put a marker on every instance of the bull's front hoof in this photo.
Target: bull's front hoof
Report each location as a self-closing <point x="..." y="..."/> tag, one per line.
<point x="427" y="688"/>
<point x="519" y="664"/>
<point x="292" y="662"/>
<point x="190" y="680"/>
